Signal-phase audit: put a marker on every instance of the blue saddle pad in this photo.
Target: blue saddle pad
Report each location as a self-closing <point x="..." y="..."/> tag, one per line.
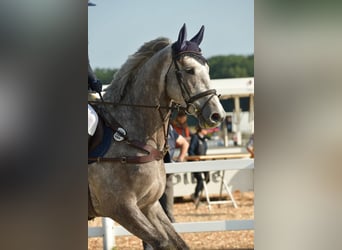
<point x="103" y="147"/>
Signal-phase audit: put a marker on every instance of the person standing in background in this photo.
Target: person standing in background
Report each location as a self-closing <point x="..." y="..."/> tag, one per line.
<point x="199" y="146"/>
<point x="250" y="145"/>
<point x="180" y="125"/>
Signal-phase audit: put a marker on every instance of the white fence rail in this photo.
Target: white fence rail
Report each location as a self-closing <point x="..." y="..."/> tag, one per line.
<point x="108" y="231"/>
<point x="193" y="166"/>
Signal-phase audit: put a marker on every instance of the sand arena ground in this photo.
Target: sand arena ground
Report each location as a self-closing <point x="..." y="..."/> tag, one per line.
<point x="185" y="211"/>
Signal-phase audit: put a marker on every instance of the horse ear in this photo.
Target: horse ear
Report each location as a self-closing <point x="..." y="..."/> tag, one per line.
<point x="181" y="38"/>
<point x="198" y="37"/>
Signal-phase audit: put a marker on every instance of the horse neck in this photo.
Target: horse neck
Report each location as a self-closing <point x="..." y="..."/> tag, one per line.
<point x="147" y="124"/>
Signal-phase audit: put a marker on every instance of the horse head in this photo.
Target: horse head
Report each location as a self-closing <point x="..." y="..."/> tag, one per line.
<point x="188" y="81"/>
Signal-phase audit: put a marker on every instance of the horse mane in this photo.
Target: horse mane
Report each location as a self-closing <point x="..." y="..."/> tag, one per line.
<point x="130" y="69"/>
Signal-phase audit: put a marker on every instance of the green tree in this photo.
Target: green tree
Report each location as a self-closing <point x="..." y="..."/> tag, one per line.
<point x="105" y="75"/>
<point x="231" y="66"/>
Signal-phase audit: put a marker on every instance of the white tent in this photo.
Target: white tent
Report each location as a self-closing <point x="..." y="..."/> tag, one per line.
<point x="236" y="88"/>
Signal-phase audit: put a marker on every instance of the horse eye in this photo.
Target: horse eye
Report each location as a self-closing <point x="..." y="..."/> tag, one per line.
<point x="190" y="71"/>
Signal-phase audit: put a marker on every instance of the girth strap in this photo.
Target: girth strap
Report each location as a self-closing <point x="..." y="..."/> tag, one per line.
<point x="152" y="155"/>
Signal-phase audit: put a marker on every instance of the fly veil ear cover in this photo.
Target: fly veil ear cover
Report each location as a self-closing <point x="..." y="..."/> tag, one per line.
<point x="182" y="45"/>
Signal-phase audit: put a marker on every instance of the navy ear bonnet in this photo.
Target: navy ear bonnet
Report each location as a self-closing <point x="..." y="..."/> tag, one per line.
<point x="91" y="4"/>
<point x="182" y="45"/>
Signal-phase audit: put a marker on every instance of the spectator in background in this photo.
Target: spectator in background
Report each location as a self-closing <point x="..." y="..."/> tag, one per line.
<point x="229" y="124"/>
<point x="199" y="146"/>
<point x="180" y="125"/>
<point x="250" y="145"/>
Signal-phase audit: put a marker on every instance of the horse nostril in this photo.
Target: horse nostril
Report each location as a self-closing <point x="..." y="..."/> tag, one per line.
<point x="216" y="117"/>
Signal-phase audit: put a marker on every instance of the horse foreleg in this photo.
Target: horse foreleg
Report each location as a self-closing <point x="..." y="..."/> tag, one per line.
<point x="159" y="219"/>
<point x="130" y="217"/>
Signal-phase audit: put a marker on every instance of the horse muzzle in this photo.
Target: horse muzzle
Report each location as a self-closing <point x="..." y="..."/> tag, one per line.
<point x="210" y="113"/>
<point x="214" y="121"/>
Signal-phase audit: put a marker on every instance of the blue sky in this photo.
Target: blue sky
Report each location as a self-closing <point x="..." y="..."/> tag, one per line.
<point x="117" y="28"/>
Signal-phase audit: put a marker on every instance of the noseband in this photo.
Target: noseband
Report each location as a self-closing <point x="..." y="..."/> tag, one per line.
<point x="191" y="107"/>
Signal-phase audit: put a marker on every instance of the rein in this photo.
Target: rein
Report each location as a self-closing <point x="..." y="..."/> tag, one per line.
<point x="130" y="105"/>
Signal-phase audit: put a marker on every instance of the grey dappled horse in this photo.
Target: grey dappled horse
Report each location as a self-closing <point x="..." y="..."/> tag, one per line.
<point x="126" y="184"/>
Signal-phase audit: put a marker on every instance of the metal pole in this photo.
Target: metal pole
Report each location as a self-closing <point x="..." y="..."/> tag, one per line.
<point x="251" y="113"/>
<point x="238" y="119"/>
<point x="225" y="132"/>
<point x="108" y="236"/>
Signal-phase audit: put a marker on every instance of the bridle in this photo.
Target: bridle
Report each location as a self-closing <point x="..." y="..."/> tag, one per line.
<point x="191" y="108"/>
